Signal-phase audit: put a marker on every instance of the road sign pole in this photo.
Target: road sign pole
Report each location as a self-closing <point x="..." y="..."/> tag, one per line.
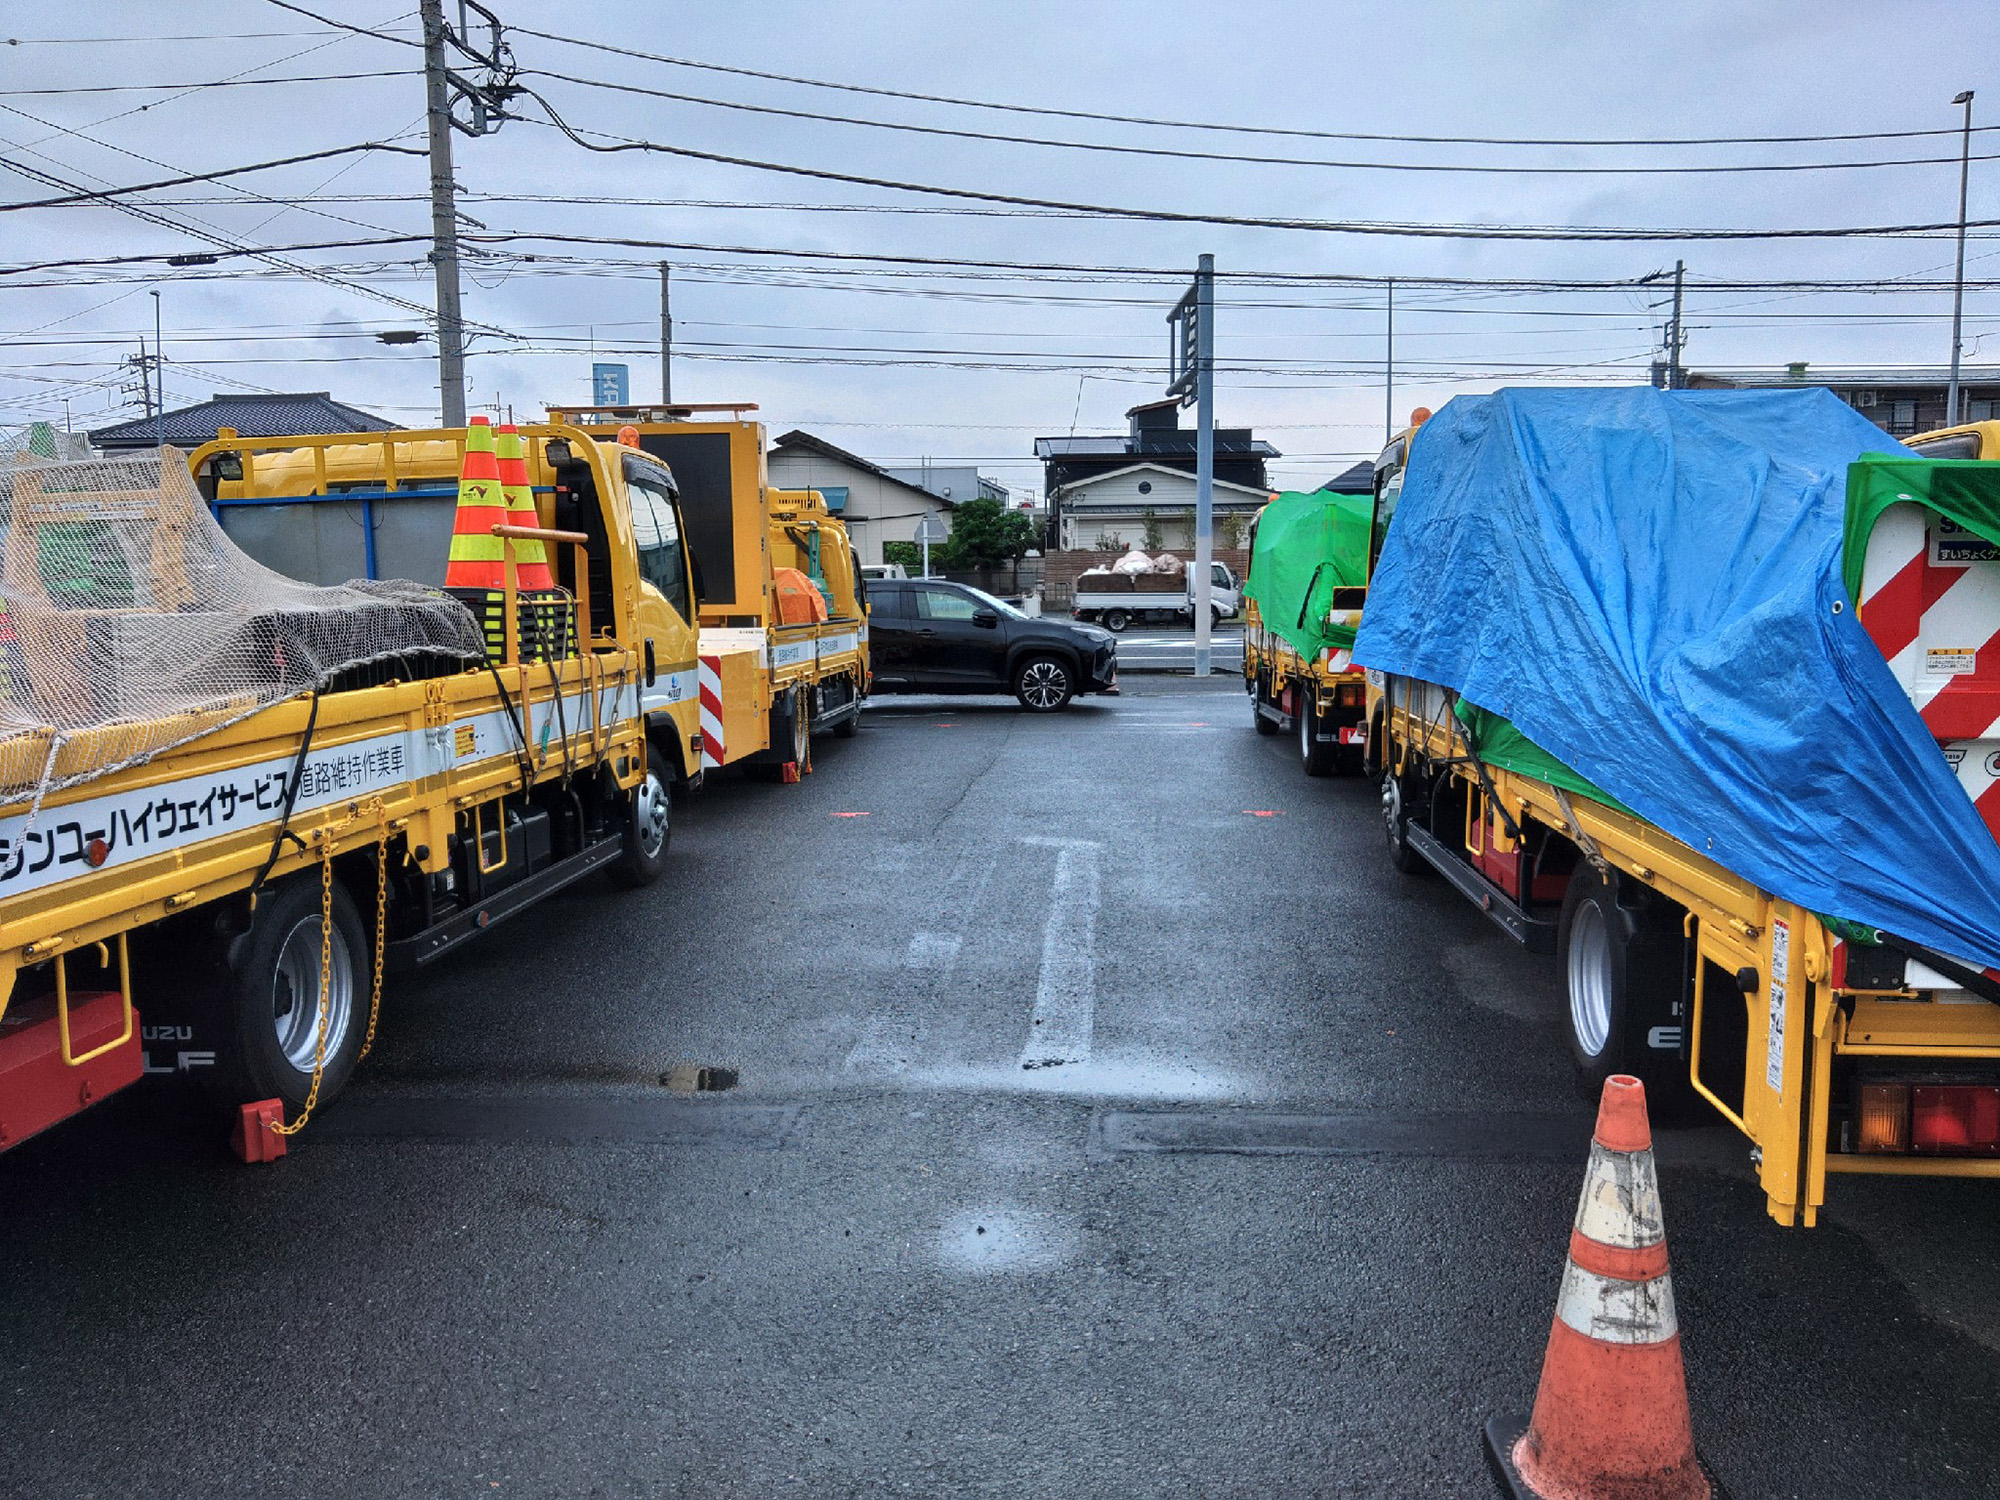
<point x="1204" y="459"/>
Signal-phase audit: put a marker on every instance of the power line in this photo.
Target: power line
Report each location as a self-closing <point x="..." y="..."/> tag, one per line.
<point x="220" y="83"/>
<point x="1394" y="229"/>
<point x="1323" y="135"/>
<point x="101" y="195"/>
<point x="1181" y="154"/>
<point x="348" y="26"/>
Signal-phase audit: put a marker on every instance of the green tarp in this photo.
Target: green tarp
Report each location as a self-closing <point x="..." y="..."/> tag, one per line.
<point x="1966" y="492"/>
<point x="1308" y="545"/>
<point x="1497" y="742"/>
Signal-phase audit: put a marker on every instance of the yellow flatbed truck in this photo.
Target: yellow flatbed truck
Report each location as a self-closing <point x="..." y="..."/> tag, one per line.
<point x="770" y="674"/>
<point x="1308" y="581"/>
<point x="1834" y="1052"/>
<point x="227" y="904"/>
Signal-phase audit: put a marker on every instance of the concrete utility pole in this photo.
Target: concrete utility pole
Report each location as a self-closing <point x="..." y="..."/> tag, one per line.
<point x="444" y="219"/>
<point x="160" y="377"/>
<point x="1204" y="457"/>
<point x="666" y="339"/>
<point x="1675" y="338"/>
<point x="1389" y="372"/>
<point x="1951" y="417"/>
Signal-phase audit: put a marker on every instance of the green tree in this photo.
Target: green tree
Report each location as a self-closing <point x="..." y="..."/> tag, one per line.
<point x="1154" y="537"/>
<point x="909" y="554"/>
<point x="1229" y="529"/>
<point x="984" y="534"/>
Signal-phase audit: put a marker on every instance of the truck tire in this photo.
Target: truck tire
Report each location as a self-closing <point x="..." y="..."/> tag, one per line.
<point x="1622" y="983"/>
<point x="649" y="827"/>
<point x="267" y="1004"/>
<point x="1315" y="755"/>
<point x="1115" y="621"/>
<point x="1044" y="684"/>
<point x="850" y="725"/>
<point x="1264" y="722"/>
<point x="1396" y="818"/>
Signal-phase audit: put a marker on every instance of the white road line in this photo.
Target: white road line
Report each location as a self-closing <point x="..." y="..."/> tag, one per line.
<point x="1059" y="1031"/>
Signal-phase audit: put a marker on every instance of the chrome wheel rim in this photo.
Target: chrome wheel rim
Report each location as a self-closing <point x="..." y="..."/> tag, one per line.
<point x="295" y="994"/>
<point x="1590" y="978"/>
<point x="649" y="814"/>
<point x="1392" y="809"/>
<point x="1043" y="683"/>
<point x="1305" y="718"/>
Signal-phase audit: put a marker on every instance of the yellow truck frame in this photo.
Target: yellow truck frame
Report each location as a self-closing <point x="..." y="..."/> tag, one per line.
<point x="765" y="685"/>
<point x="341" y="831"/>
<point x="1703" y="984"/>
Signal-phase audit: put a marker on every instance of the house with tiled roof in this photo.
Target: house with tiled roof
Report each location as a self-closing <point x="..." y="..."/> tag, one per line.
<point x="276" y="415"/>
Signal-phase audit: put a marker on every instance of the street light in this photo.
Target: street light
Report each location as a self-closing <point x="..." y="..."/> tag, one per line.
<point x="1958" y="281"/>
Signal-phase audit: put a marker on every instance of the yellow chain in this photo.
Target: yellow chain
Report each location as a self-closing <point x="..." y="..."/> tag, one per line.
<point x="381" y="930"/>
<point x="325" y="989"/>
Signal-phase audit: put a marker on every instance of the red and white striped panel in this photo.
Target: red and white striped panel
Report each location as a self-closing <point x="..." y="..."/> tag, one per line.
<point x="1337" y="659"/>
<point x="711" y="710"/>
<point x="1930" y="599"/>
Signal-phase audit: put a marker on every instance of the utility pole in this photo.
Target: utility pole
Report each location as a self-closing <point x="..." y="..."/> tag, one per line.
<point x="444" y="219"/>
<point x="666" y="338"/>
<point x="1675" y="338"/>
<point x="1389" y="371"/>
<point x="160" y="378"/>
<point x="1204" y="457"/>
<point x="1951" y="417"/>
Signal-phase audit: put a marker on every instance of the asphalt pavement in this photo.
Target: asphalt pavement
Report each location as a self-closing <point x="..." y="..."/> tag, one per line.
<point x="1109" y="1120"/>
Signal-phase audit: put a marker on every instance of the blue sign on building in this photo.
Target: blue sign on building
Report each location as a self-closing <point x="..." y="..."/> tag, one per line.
<point x="611" y="385"/>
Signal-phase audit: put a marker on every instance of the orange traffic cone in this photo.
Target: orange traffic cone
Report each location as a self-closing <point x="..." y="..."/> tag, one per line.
<point x="1611" y="1418"/>
<point x="531" y="558"/>
<point x="476" y="561"/>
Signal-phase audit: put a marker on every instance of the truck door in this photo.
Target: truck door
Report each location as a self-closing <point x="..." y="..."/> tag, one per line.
<point x="666" y="592"/>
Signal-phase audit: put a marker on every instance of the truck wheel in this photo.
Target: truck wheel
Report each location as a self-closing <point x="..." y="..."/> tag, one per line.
<point x="1043" y="684"/>
<point x="649" y="828"/>
<point x="1265" y="724"/>
<point x="1396" y="816"/>
<point x="269" y="999"/>
<point x="1622" y="980"/>
<point x="1115" y="621"/>
<point x="1314" y="754"/>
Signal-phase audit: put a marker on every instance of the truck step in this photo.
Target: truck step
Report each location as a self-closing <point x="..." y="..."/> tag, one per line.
<point x="435" y="941"/>
<point x="1536" y="934"/>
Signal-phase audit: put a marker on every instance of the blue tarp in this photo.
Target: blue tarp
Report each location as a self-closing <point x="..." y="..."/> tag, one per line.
<point x="1648" y="584"/>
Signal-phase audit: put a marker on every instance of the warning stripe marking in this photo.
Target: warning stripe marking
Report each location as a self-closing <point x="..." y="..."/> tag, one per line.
<point x="712" y="749"/>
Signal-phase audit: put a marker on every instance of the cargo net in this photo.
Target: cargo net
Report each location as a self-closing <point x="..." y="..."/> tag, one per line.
<point x="129" y="623"/>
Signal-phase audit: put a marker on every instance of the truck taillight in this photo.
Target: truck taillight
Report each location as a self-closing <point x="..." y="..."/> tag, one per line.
<point x="1955" y="1120"/>
<point x="1352" y="695"/>
<point x="1885" y="1117"/>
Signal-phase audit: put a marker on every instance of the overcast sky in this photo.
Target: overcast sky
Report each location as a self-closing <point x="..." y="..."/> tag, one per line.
<point x="903" y="362"/>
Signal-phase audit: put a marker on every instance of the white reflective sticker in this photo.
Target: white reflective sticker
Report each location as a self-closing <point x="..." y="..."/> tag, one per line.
<point x="1621" y="1200"/>
<point x="1781" y="975"/>
<point x="1617" y="1312"/>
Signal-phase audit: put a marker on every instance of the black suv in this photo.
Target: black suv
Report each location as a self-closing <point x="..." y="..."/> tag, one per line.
<point x="927" y="636"/>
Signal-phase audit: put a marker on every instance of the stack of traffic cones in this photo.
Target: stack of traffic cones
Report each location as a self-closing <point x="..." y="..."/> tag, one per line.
<point x="493" y="490"/>
<point x="1611" y="1418"/>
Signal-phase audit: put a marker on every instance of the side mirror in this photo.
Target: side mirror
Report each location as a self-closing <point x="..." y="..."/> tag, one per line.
<point x="986" y="620"/>
<point x="652" y="667"/>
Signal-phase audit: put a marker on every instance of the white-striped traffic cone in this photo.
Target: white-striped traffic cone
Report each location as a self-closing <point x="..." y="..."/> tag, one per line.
<point x="1611" y="1418"/>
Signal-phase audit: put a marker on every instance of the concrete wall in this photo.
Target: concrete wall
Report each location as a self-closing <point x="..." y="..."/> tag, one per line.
<point x="878" y="509"/>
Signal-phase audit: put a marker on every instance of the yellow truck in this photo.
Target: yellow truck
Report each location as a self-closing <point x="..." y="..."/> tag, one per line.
<point x="1835" y="1048"/>
<point x="1303" y="596"/>
<point x="234" y="801"/>
<point x="773" y="668"/>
